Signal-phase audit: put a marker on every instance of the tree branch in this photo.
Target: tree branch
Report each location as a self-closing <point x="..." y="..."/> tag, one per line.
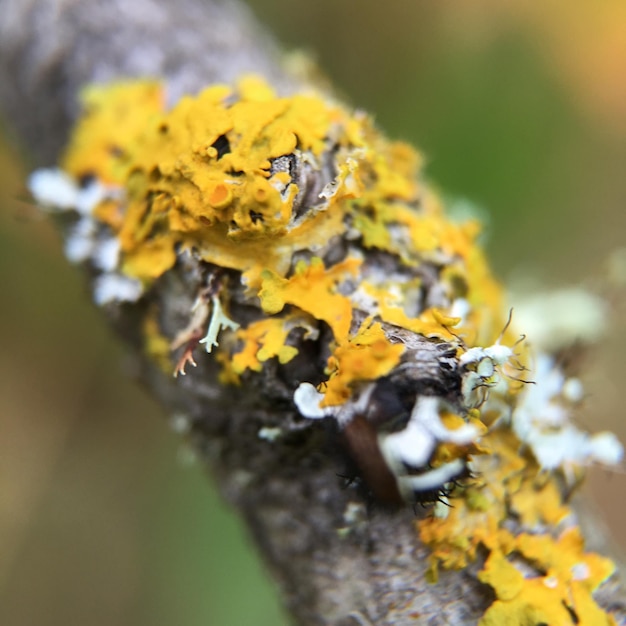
<point x="337" y="560"/>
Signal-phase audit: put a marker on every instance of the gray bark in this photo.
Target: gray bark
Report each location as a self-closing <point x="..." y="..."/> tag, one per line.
<point x="52" y="48"/>
<point x="288" y="491"/>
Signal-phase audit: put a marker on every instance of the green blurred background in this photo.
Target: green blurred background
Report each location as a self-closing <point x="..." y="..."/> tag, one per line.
<point x="519" y="108"/>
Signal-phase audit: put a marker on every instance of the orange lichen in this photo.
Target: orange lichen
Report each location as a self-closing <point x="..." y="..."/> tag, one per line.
<point x="293" y="197"/>
<point x="261" y="341"/>
<point x="313" y="289"/>
<point x="565" y="577"/>
<point x="538" y="501"/>
<point x="562" y="586"/>
<point x="521" y="601"/>
<point x="366" y="356"/>
<point x="565" y="557"/>
<point x="200" y="173"/>
<point x="476" y="517"/>
<point x="447" y="452"/>
<point x="155" y="343"/>
<point x="113" y="117"/>
<point x="472" y="521"/>
<point x="388" y="301"/>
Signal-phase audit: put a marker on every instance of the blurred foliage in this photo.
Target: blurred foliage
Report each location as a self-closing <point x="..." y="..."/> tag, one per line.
<point x="520" y="109"/>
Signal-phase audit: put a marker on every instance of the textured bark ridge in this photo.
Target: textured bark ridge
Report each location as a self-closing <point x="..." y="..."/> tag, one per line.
<point x="360" y="331"/>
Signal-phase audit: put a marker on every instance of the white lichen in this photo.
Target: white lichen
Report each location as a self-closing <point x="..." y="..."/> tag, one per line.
<point x="81" y="240"/>
<point x="180" y="423"/>
<point x="106" y="253"/>
<point x="441" y="508"/>
<point x="431" y="480"/>
<point x="580" y="571"/>
<point x="541" y="420"/>
<point x="460" y="308"/>
<point x="416" y="444"/>
<point x="55" y="190"/>
<point x="354" y="513"/>
<point x="270" y="434"/>
<point x="112" y="287"/>
<point x="86" y="241"/>
<point x="307" y="400"/>
<point x="482" y="371"/>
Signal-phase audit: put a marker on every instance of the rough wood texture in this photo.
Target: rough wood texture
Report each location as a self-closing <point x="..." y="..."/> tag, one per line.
<point x="288" y="491"/>
<point x="50" y="49"/>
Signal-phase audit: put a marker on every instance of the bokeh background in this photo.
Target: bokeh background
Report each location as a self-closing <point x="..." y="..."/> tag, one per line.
<point x="520" y="110"/>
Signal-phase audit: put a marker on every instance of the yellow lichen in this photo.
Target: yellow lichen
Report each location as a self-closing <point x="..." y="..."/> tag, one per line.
<point x="261" y="341"/>
<point x="476" y="517"/>
<point x="200" y="177"/>
<point x="538" y="501"/>
<point x="313" y="289"/>
<point x="566" y="576"/>
<point x="447" y="452"/>
<point x="155" y="343"/>
<point x="473" y="520"/>
<point x="215" y="178"/>
<point x="564" y="580"/>
<point x="521" y="601"/>
<point x="565" y="558"/>
<point x="200" y="173"/>
<point x="389" y="300"/>
<point x="113" y="117"/>
<point x="366" y="356"/>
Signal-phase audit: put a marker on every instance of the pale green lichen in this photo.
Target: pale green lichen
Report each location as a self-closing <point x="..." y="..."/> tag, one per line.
<point x="219" y="320"/>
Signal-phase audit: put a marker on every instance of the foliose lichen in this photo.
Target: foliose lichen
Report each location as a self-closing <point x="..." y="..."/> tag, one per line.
<point x="333" y="235"/>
